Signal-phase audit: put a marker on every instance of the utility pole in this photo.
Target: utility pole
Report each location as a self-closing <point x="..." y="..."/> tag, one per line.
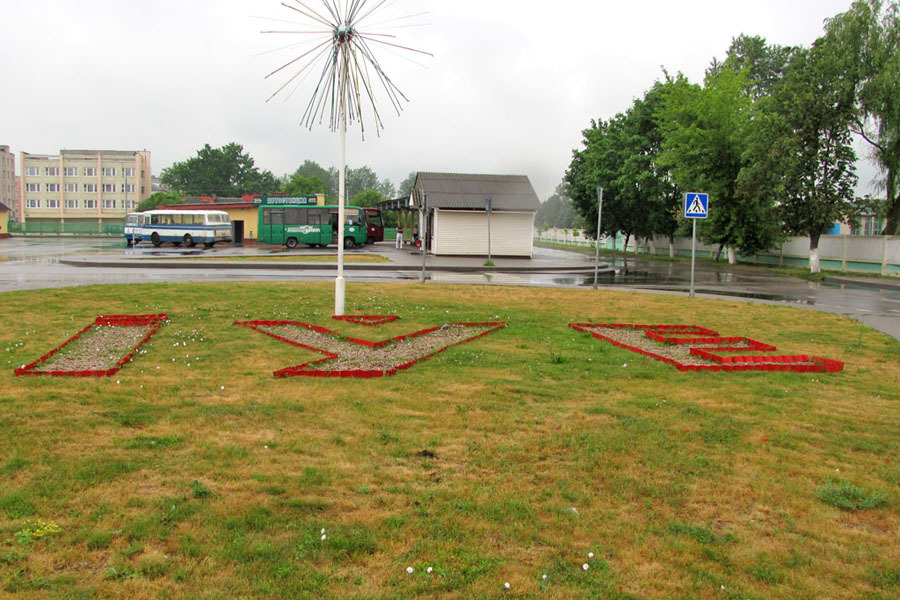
<point x="599" y="222"/>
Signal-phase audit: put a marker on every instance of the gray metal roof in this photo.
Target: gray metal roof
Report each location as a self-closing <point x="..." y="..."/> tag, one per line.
<point x="464" y="190"/>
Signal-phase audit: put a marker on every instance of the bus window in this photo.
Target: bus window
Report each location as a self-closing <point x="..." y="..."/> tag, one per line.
<point x="295" y="216"/>
<point x="317" y="216"/>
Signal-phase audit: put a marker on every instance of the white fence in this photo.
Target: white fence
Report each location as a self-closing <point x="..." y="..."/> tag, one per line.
<point x="871" y="254"/>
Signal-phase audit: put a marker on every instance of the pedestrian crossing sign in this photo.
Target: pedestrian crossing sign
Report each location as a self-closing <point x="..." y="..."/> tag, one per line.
<point x="696" y="206"/>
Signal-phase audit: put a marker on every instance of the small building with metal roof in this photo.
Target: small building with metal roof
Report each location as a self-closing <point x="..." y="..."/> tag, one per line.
<point x="476" y="215"/>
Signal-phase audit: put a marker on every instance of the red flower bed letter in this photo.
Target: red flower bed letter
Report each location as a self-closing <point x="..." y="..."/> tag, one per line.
<point x="693" y="348"/>
<point x="352" y="357"/>
<point x="98" y="350"/>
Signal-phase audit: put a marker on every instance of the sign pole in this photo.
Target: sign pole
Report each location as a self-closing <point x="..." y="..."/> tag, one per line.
<point x="696" y="206"/>
<point x="487" y="207"/>
<point x="423" y="211"/>
<point x="693" y="254"/>
<point x="599" y="221"/>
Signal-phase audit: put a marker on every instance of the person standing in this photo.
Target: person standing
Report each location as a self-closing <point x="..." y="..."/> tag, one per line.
<point x="398" y="240"/>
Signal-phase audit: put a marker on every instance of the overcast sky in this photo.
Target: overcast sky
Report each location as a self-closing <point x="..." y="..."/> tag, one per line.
<point x="510" y="87"/>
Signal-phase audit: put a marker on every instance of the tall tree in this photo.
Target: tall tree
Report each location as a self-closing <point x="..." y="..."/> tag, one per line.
<point x="298" y="185"/>
<point x="800" y="150"/>
<point x="867" y="37"/>
<point x="762" y="64"/>
<point x="225" y="171"/>
<point x="328" y="177"/>
<point x="406" y="186"/>
<point x="645" y="184"/>
<point x="558" y="211"/>
<point x="599" y="164"/>
<point x="705" y="136"/>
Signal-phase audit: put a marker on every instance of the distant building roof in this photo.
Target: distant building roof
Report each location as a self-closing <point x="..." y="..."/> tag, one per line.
<point x="4" y="208"/>
<point x="468" y="191"/>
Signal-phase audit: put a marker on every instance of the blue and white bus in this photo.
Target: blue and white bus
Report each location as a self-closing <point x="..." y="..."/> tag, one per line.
<point x="188" y="227"/>
<point x="133" y="224"/>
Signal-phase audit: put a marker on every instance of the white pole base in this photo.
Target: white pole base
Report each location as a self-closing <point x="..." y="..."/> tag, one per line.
<point x="339" y="295"/>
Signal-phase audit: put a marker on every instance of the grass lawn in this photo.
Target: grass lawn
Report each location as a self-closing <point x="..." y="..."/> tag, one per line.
<point x="194" y="473"/>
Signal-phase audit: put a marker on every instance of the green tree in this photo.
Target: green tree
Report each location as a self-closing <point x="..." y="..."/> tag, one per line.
<point x="800" y="150"/>
<point x="558" y="211"/>
<point x="406" y="186"/>
<point x="298" y="185"/>
<point x="225" y="171"/>
<point x="705" y="131"/>
<point x="867" y="38"/>
<point x="159" y="198"/>
<point x="647" y="187"/>
<point x="763" y="64"/>
<point x="368" y="197"/>
<point x="599" y="164"/>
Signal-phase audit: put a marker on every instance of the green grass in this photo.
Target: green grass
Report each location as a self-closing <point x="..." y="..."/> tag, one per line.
<point x="501" y="460"/>
<point x="848" y="496"/>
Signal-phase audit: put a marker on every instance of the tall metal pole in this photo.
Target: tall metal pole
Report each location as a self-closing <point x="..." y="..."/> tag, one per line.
<point x="599" y="222"/>
<point x="487" y="206"/>
<point x="423" y="219"/>
<point x="339" y="285"/>
<point x="693" y="254"/>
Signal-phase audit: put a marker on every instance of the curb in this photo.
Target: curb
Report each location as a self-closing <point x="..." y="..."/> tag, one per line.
<point x="181" y="264"/>
<point x="875" y="284"/>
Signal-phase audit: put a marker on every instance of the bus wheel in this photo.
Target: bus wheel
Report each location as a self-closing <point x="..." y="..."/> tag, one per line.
<point x="291" y="243"/>
<point x="189" y="240"/>
<point x="154" y="239"/>
<point x="349" y="243"/>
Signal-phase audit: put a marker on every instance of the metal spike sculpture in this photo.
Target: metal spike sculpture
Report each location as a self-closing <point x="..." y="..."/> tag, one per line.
<point x="350" y="77"/>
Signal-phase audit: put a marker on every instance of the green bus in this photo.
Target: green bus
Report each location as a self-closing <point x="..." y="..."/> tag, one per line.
<point x="292" y="225"/>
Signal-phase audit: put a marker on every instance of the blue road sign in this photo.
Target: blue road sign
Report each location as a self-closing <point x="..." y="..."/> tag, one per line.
<point x="696" y="206"/>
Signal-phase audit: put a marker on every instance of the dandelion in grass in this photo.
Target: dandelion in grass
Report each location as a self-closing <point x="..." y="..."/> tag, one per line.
<point x="409" y="570"/>
<point x="586" y="566"/>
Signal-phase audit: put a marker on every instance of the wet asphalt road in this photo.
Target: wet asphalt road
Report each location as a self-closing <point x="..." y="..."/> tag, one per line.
<point x="34" y="263"/>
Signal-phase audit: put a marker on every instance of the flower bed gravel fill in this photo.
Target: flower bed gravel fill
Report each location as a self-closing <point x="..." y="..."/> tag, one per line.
<point x="98" y="350"/>
<point x="693" y="348"/>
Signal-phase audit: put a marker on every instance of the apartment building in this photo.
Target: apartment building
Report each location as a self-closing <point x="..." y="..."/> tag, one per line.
<point x="96" y="186"/>
<point x="8" y="180"/>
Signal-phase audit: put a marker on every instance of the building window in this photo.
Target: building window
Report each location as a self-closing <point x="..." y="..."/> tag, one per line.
<point x="70" y="187"/>
<point x="128" y="187"/>
<point x="71" y="204"/>
<point x="129" y="204"/>
<point x="90" y="203"/>
<point x="52" y="203"/>
<point x="90" y="187"/>
<point x="32" y="203"/>
<point x="32" y="187"/>
<point x="109" y="187"/>
<point x="32" y="171"/>
<point x="109" y="171"/>
<point x="70" y="171"/>
<point x="90" y="171"/>
<point x="109" y="204"/>
<point x="128" y="171"/>
<point x="51" y="171"/>
<point x="52" y="187"/>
